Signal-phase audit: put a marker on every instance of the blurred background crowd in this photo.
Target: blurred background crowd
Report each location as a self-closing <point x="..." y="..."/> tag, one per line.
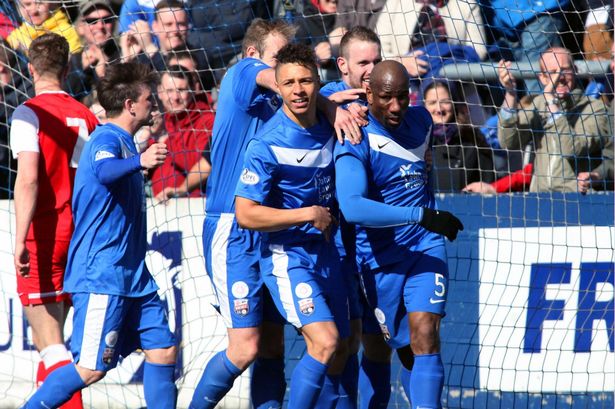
<point x="491" y="134"/>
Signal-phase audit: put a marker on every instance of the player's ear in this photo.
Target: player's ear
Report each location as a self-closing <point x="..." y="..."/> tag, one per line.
<point x="252" y="52"/>
<point x="341" y="64"/>
<point x="370" y="95"/>
<point x="128" y="106"/>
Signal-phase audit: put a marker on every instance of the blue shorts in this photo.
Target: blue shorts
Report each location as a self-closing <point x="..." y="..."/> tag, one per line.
<point x="231" y="259"/>
<point x="418" y="284"/>
<point x="306" y="284"/>
<point x="352" y="280"/>
<point x="107" y="326"/>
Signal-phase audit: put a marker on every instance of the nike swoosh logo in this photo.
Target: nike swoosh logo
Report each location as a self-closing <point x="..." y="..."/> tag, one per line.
<point x="431" y="300"/>
<point x="299" y="160"/>
<point x="383" y="145"/>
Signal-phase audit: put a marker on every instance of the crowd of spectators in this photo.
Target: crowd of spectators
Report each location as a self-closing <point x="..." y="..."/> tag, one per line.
<point x="549" y="129"/>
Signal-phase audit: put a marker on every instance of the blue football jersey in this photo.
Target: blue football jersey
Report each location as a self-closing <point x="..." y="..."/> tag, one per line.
<point x="289" y="167"/>
<point x="397" y="176"/>
<point x="243" y="107"/>
<point x="107" y="250"/>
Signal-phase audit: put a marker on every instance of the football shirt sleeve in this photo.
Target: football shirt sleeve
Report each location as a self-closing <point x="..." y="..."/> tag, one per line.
<point x="24" y="131"/>
<point x="351" y="182"/>
<point x="108" y="163"/>
<point x="257" y="174"/>
<point x="245" y="88"/>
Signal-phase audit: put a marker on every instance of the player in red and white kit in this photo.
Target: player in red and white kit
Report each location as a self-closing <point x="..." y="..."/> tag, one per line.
<point x="47" y="135"/>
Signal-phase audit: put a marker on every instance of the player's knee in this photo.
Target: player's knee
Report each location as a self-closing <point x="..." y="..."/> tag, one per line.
<point x="162" y="356"/>
<point x="243" y="353"/>
<point x="424" y="340"/>
<point x="325" y="346"/>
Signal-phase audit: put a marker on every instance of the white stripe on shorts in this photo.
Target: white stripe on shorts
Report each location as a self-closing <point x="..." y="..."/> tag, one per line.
<point x="279" y="259"/>
<point x="219" y="247"/>
<point x="92" y="331"/>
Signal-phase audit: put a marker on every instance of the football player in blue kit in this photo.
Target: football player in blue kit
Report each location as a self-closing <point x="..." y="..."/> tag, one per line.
<point x="286" y="190"/>
<point x="400" y="242"/>
<point x="360" y="51"/>
<point x="247" y="100"/>
<point x="117" y="307"/>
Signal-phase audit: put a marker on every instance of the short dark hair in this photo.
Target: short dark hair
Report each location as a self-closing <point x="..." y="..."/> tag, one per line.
<point x="259" y="30"/>
<point x="169" y="4"/>
<point x="121" y="82"/>
<point x="300" y="54"/>
<point x="178" y="71"/>
<point x="180" y="54"/>
<point x="49" y="54"/>
<point x="358" y="33"/>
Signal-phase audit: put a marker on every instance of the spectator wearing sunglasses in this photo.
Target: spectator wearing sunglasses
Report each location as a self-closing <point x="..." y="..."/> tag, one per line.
<point x="95" y="25"/>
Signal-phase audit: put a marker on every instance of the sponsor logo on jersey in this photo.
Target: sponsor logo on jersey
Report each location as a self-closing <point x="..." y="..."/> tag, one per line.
<point x="103" y="155"/>
<point x="413" y="175"/>
<point x="248" y="177"/>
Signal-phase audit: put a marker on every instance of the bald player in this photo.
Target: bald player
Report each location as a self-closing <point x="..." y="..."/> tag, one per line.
<point x="401" y="233"/>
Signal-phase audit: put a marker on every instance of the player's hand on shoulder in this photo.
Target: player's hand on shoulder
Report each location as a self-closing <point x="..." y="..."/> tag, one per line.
<point x="154" y="156"/>
<point x="441" y="222"/>
<point x="22" y="260"/>
<point x="359" y="112"/>
<point x="348" y="127"/>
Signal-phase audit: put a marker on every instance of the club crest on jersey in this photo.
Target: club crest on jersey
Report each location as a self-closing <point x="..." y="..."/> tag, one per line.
<point x="241" y="306"/>
<point x="413" y="175"/>
<point x="306" y="306"/>
<point x="248" y="177"/>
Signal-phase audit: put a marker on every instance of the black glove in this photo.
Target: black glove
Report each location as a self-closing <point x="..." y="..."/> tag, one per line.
<point x="441" y="222"/>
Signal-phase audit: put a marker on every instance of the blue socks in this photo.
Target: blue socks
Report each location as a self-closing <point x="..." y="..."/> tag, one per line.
<point x="58" y="388"/>
<point x="268" y="384"/>
<point x="306" y="383"/>
<point x="159" y="386"/>
<point x="329" y="394"/>
<point x="349" y="384"/>
<point x="404" y="378"/>
<point x="374" y="384"/>
<point x="217" y="380"/>
<point x="427" y="381"/>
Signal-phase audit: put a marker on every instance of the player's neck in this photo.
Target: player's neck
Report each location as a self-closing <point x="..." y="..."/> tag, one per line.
<point x="305" y="120"/>
<point x="126" y="122"/>
<point x="44" y="84"/>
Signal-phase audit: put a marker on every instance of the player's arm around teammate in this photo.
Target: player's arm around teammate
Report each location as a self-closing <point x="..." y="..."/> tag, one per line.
<point x="286" y="191"/>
